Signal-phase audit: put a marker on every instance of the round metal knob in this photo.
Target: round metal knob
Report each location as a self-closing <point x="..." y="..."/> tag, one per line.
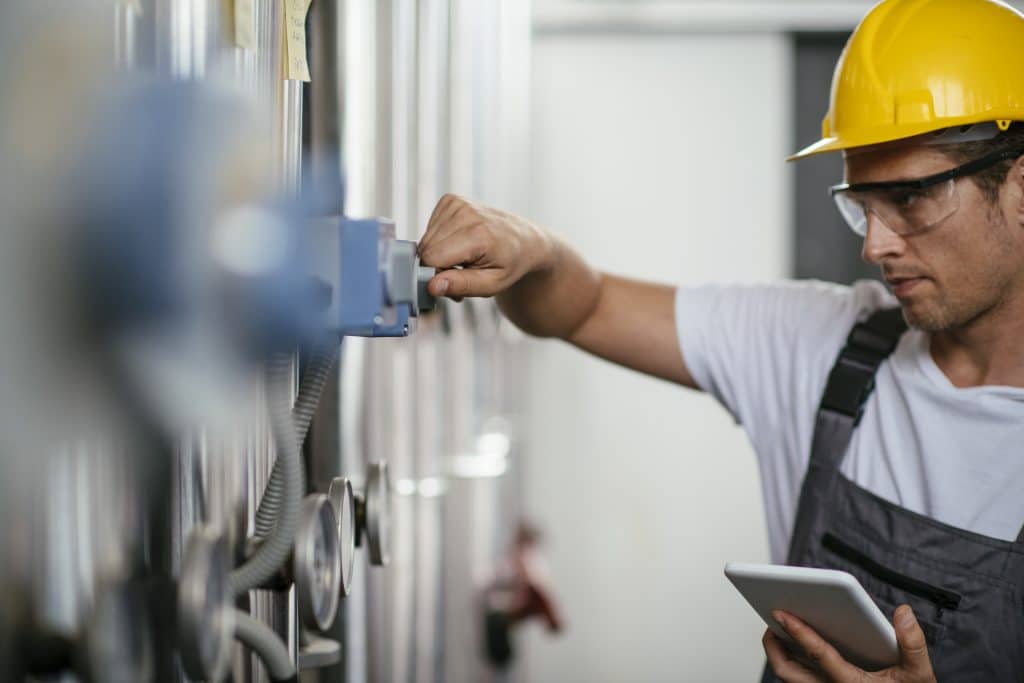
<point x="373" y="511"/>
<point x="117" y="641"/>
<point x="344" y="504"/>
<point x="205" y="611"/>
<point x="317" y="563"/>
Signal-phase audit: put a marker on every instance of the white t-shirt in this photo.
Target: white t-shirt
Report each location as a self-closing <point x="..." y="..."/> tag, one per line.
<point x="955" y="455"/>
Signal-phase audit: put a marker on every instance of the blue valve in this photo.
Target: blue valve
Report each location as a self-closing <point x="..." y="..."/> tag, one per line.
<point x="378" y="287"/>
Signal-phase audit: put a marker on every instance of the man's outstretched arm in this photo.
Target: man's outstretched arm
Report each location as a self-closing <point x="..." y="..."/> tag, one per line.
<point x="546" y="289"/>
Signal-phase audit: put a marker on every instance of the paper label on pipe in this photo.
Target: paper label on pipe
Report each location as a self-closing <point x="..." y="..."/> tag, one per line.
<point x="245" y="24"/>
<point x="295" y="39"/>
<point x="134" y="5"/>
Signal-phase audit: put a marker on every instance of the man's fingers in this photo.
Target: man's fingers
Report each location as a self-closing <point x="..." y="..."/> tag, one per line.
<point x="913" y="647"/>
<point x="456" y="284"/>
<point x="446" y="219"/>
<point x="782" y="664"/>
<point x="463" y="247"/>
<point x="818" y="650"/>
<point x="438" y="286"/>
<point x="442" y="205"/>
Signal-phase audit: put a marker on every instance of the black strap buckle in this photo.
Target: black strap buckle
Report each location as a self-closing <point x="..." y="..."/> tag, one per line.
<point x="852" y="378"/>
<point x="849" y="385"/>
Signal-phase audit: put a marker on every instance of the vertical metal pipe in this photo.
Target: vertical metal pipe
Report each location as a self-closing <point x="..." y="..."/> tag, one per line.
<point x="325" y="118"/>
<point x="379" y="435"/>
<point x="392" y="425"/>
<point x="431" y="374"/>
<point x="359" y="106"/>
<point x="363" y="124"/>
<point x="288" y="106"/>
<point x="125" y="16"/>
<point x="282" y="99"/>
<point x="354" y="369"/>
<point x="325" y="99"/>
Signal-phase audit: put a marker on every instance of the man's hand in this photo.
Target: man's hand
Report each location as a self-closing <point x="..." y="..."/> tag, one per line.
<point x="826" y="664"/>
<point x="492" y="249"/>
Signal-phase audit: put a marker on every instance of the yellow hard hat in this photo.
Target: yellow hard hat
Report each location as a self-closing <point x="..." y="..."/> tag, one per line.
<point x="916" y="66"/>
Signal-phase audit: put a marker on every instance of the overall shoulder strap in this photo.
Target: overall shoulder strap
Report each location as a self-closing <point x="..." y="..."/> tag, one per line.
<point x="849" y="385"/>
<point x="851" y="381"/>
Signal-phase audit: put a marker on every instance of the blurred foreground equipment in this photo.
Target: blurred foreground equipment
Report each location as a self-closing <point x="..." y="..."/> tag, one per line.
<point x="190" y="458"/>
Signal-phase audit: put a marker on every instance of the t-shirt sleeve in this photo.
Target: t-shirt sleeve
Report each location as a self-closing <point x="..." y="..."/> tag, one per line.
<point x="764" y="352"/>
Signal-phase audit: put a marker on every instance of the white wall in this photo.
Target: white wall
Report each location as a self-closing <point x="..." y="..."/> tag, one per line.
<point x="659" y="156"/>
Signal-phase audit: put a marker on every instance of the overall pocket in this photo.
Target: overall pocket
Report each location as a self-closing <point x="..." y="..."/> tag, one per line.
<point x="941" y="599"/>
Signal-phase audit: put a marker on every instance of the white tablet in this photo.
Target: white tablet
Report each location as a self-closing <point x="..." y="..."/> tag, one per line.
<point x="831" y="602"/>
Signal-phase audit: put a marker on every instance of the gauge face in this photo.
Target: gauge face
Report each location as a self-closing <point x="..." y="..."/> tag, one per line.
<point x="343" y="502"/>
<point x="324" y="575"/>
<point x="317" y="563"/>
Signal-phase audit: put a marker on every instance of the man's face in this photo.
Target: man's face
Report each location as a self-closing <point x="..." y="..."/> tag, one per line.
<point x="957" y="270"/>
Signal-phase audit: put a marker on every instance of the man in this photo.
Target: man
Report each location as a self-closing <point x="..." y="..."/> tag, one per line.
<point x="901" y="460"/>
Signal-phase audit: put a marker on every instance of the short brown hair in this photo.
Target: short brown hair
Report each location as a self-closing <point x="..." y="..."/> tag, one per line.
<point x="991" y="179"/>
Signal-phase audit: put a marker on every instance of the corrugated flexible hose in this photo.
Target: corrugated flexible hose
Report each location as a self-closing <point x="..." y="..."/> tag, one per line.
<point x="315" y="376"/>
<point x="277" y="544"/>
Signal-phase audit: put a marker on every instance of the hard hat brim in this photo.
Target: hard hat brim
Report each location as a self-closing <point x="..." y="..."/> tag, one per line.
<point x="832" y="144"/>
<point x="836" y="143"/>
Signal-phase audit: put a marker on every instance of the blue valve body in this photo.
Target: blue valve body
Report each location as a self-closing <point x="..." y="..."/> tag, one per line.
<point x="355" y="257"/>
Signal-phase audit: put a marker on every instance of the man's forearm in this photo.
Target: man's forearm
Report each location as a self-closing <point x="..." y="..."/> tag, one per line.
<point x="556" y="299"/>
<point x="545" y="288"/>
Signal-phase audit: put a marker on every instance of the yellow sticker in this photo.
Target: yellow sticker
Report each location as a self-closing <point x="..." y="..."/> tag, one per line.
<point x="245" y="24"/>
<point x="295" y="33"/>
<point x="134" y="5"/>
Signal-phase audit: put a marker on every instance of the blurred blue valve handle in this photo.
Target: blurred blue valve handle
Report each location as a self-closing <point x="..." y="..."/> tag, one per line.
<point x="378" y="288"/>
<point x="161" y="254"/>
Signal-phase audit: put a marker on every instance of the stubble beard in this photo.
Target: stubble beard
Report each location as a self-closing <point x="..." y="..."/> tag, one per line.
<point x="979" y="293"/>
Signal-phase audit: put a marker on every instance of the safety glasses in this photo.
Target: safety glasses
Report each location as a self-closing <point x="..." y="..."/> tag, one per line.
<point x="910" y="206"/>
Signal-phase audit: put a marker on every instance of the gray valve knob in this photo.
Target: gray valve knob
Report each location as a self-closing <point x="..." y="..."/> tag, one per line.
<point x="316" y="563"/>
<point x="425" y="301"/>
<point x="344" y="503"/>
<point x="406" y="280"/>
<point x="373" y="514"/>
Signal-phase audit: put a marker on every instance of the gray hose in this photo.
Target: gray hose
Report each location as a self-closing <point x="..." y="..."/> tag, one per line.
<point x="277" y="546"/>
<point x="317" y="372"/>
<point x="262" y="640"/>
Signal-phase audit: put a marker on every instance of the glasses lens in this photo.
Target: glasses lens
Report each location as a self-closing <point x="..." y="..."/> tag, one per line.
<point x="852" y="210"/>
<point x="909" y="210"/>
<point x="904" y="210"/>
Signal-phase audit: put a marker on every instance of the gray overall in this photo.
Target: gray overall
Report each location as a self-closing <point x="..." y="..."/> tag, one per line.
<point x="965" y="588"/>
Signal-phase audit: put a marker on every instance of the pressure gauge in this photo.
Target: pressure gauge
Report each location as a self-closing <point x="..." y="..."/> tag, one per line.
<point x="373" y="511"/>
<point x="317" y="563"/>
<point x="344" y="504"/>
<point x="205" y="611"/>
